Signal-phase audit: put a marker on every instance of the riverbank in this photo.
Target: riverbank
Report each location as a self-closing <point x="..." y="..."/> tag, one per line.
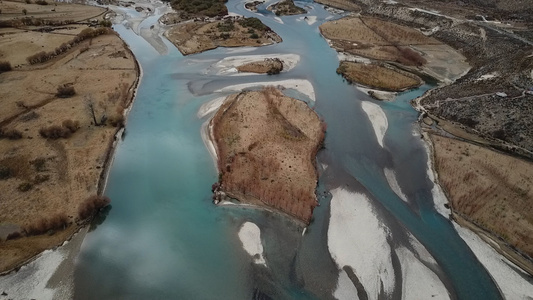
<point x="476" y="182"/>
<point x="69" y="120"/>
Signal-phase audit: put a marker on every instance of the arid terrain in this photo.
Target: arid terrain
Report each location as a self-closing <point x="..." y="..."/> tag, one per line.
<point x="63" y="100"/>
<point x="400" y="49"/>
<point x="199" y="36"/>
<point x="484" y="100"/>
<point x="488" y="188"/>
<point x="266" y="145"/>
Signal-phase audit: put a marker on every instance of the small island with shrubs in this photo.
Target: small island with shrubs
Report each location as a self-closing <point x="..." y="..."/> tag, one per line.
<point x="203" y="35"/>
<point x="286" y="8"/>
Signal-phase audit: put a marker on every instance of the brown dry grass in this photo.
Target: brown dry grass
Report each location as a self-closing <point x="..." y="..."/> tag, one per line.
<point x="376" y="39"/>
<point x="379" y="77"/>
<point x="493" y="190"/>
<point x="61" y="173"/>
<point x="262" y="67"/>
<point x="196" y="37"/>
<point x="266" y="144"/>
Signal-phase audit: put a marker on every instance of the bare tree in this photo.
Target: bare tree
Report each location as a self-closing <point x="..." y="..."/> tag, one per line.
<point x="89" y="103"/>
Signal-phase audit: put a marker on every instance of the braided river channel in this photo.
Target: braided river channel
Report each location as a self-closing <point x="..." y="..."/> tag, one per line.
<point x="377" y="233"/>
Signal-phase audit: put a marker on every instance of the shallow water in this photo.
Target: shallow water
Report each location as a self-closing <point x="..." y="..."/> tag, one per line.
<point x="164" y="239"/>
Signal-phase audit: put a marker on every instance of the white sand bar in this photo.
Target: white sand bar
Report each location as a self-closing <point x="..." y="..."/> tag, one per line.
<point x="439" y="198"/>
<point x="229" y="65"/>
<point x="345" y="289"/>
<point x="210" y="107"/>
<point x="30" y="282"/>
<point x="357" y="238"/>
<point x="378" y="119"/>
<point x="303" y="86"/>
<point x="513" y="284"/>
<point x="419" y="282"/>
<point x="250" y="236"/>
<point x="393" y="183"/>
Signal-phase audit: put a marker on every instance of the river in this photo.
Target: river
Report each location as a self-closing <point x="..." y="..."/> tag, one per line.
<point x="164" y="239"/>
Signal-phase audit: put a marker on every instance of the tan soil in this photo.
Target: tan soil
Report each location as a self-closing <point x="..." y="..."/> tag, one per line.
<point x="101" y="70"/>
<point x="198" y="36"/>
<point x="488" y="188"/>
<point x="380" y="77"/>
<point x="372" y="38"/>
<point x="266" y="145"/>
<point x="341" y="4"/>
<point x="261" y="67"/>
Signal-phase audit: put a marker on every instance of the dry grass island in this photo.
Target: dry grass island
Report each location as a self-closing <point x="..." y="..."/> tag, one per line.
<point x="66" y="83"/>
<point x="206" y="34"/>
<point x="204" y="25"/>
<point x="266" y="145"/>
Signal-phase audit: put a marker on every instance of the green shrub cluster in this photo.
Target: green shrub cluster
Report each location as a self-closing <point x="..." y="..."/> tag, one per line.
<point x="209" y="8"/>
<point x="254" y="23"/>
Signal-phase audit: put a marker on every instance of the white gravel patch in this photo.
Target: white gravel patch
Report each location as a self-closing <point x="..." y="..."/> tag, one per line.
<point x="378" y="119"/>
<point x="356" y="238"/>
<point x="30" y="282"/>
<point x="511" y="283"/>
<point x="393" y="183"/>
<point x="419" y="282"/>
<point x="250" y="236"/>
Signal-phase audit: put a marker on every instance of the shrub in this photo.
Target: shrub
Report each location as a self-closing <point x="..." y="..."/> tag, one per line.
<point x="254" y="36"/>
<point x="253" y="23"/>
<point x="65" y="91"/>
<point x="55" y="132"/>
<point x="57" y="222"/>
<point x="91" y="205"/>
<point x="5" y="66"/>
<point x="411" y="57"/>
<point x="41" y="178"/>
<point x="5" y="172"/>
<point x="39" y="164"/>
<point x="29" y="116"/>
<point x="106" y="23"/>
<point x="24" y="11"/>
<point x="28" y="1"/>
<point x="41" y="2"/>
<point x="73" y="126"/>
<point x="116" y="120"/>
<point x="13" y="236"/>
<point x="25" y="186"/>
<point x="11" y="134"/>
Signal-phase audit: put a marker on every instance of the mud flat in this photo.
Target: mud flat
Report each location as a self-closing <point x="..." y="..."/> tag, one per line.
<point x="56" y="150"/>
<point x="266" y="145"/>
